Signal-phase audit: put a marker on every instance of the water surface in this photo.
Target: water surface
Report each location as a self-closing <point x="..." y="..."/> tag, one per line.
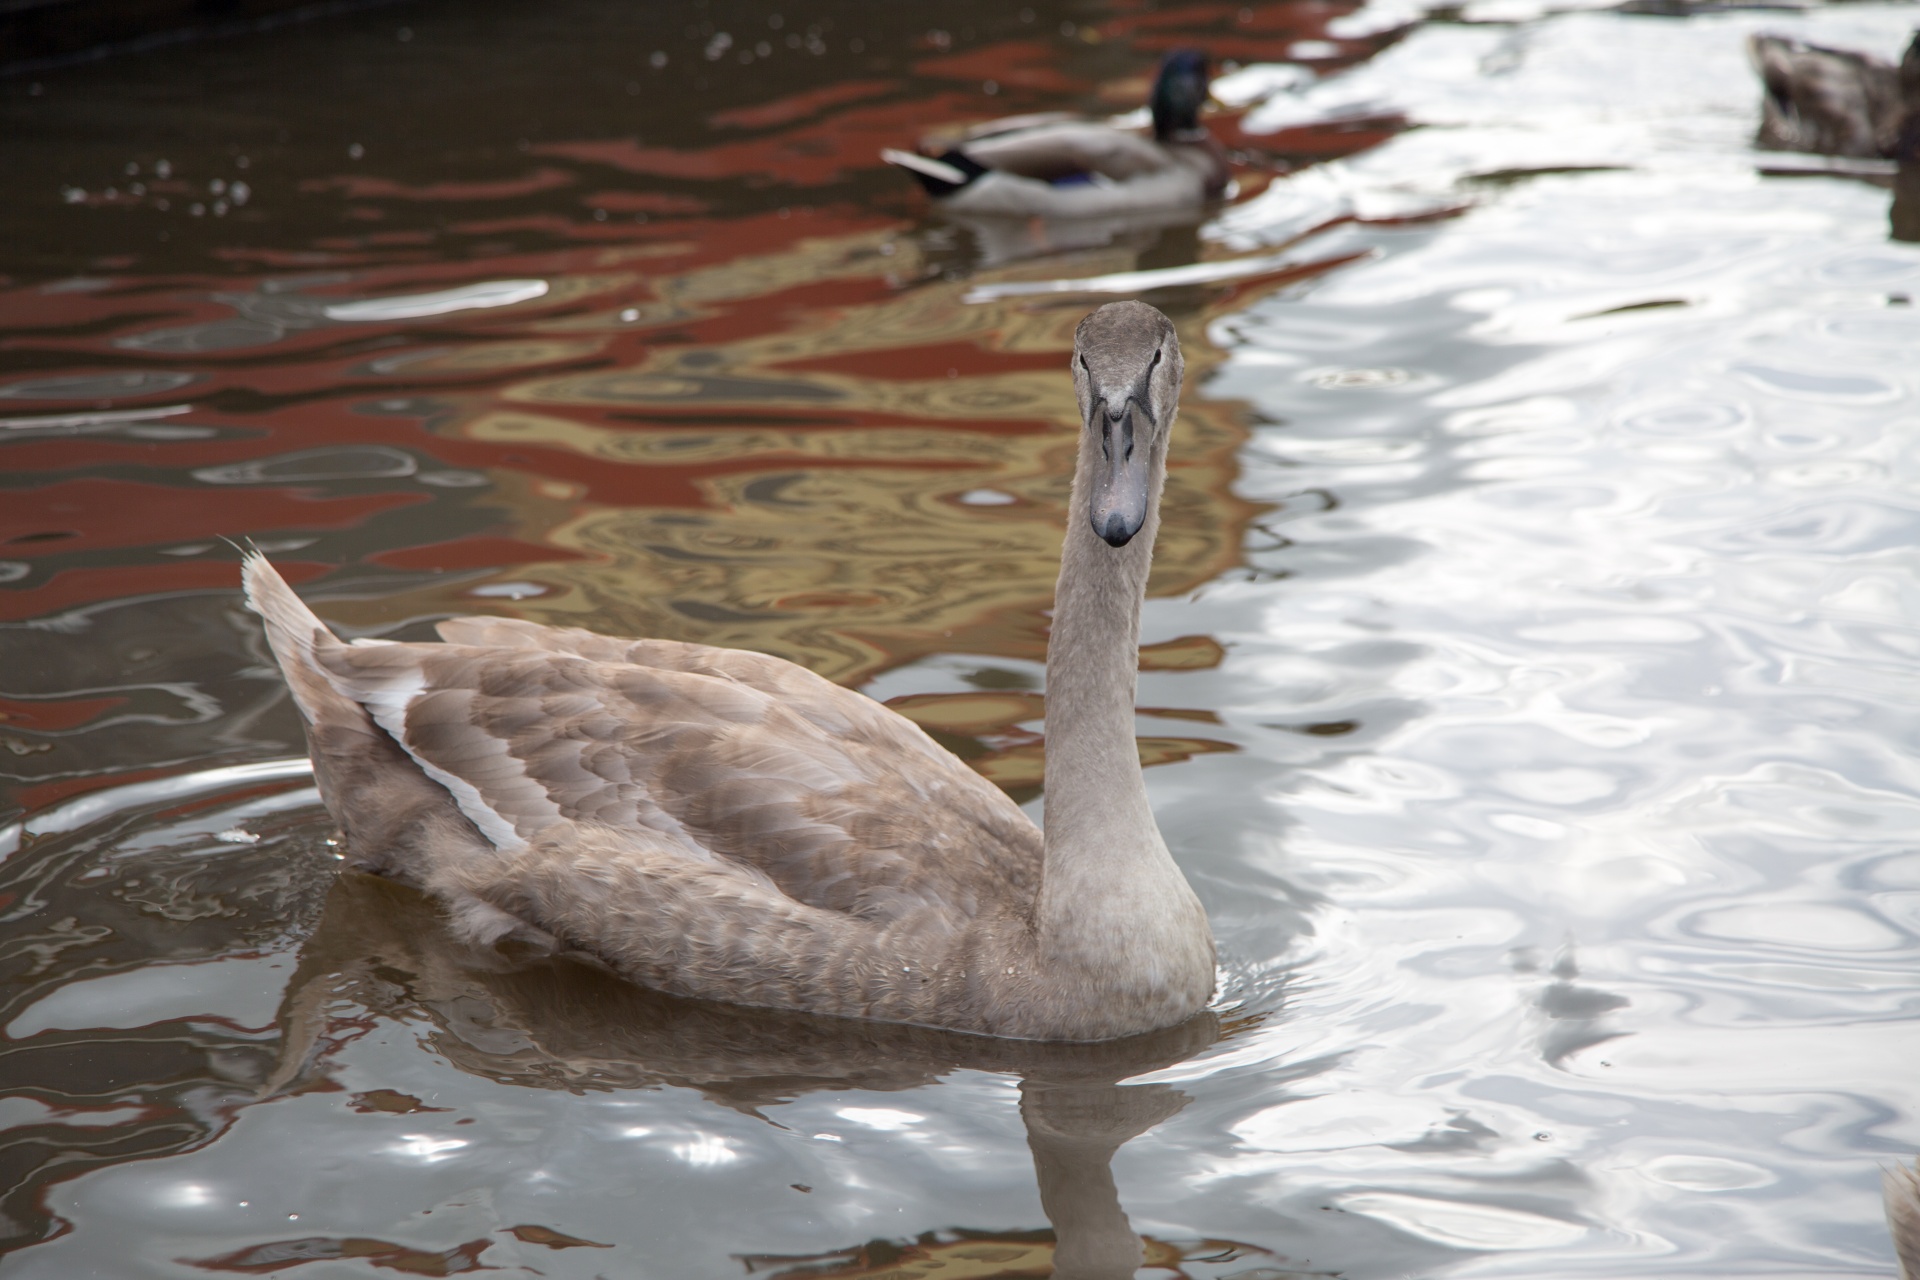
<point x="1528" y="691"/>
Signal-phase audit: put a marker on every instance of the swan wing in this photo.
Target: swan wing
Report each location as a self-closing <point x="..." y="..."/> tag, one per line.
<point x="717" y="931"/>
<point x="830" y="707"/>
<point x="705" y="767"/>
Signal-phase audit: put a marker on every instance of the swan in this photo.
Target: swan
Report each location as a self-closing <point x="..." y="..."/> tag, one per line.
<point x="1900" y="1186"/>
<point x="1837" y="102"/>
<point x="1057" y="166"/>
<point x="726" y="825"/>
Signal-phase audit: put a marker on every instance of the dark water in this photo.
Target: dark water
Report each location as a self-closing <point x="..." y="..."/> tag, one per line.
<point x="1530" y="691"/>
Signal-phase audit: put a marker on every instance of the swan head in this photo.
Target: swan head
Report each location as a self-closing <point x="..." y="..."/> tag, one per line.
<point x="1126" y="370"/>
<point x="1179" y="91"/>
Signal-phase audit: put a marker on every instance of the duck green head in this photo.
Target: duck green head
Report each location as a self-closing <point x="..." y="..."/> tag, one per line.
<point x="1179" y="92"/>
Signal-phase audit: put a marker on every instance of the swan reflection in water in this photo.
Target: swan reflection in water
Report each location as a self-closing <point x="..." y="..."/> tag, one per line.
<point x="562" y="1024"/>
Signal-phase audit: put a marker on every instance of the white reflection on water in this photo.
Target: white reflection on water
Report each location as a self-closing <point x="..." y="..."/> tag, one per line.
<point x="1822" y="927"/>
<point x="1654" y="570"/>
<point x="1464" y="1226"/>
<point x="414" y="306"/>
<point x="241" y="990"/>
<point x="1707" y="1173"/>
<point x="706" y="1151"/>
<point x="190" y="1195"/>
<point x="884" y="1119"/>
<point x="98" y="804"/>
<point x="18" y="1112"/>
<point x="1340" y="1122"/>
<point x="426" y="1148"/>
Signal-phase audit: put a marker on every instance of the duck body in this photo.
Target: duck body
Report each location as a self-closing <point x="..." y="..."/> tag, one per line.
<point x="726" y="825"/>
<point x="1836" y="102"/>
<point x="1057" y="166"/>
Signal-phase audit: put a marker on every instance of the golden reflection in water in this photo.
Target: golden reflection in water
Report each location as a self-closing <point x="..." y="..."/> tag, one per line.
<point x="486" y="357"/>
<point x="986" y="729"/>
<point x="853" y="497"/>
<point x="980" y="1255"/>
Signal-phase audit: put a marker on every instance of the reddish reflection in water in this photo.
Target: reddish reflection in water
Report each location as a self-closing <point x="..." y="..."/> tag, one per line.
<point x="282" y="1255"/>
<point x="697" y="366"/>
<point x="692" y="364"/>
<point x="960" y="1254"/>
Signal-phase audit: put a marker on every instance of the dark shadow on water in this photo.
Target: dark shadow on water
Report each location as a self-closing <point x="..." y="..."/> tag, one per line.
<point x="1905" y="213"/>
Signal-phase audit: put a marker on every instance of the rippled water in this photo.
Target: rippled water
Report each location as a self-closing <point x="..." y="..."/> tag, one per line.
<point x="1530" y="686"/>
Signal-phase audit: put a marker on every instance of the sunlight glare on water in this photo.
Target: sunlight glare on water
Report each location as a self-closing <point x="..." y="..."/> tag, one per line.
<point x="1528" y="682"/>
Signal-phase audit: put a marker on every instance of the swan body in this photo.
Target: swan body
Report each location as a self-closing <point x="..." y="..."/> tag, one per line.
<point x="1057" y="166"/>
<point x="726" y="825"/>
<point x="1837" y="102"/>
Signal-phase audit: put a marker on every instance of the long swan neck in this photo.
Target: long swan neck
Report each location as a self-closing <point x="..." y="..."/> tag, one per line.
<point x="1093" y="775"/>
<point x="1117" y="930"/>
<point x="1104" y="855"/>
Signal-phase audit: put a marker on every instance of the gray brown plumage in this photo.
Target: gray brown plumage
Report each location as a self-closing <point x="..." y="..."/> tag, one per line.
<point x="1900" y="1186"/>
<point x="1837" y="102"/>
<point x="565" y="1022"/>
<point x="726" y="825"/>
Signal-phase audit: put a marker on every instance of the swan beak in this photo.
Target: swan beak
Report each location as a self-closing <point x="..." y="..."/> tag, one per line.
<point x="1119" y="505"/>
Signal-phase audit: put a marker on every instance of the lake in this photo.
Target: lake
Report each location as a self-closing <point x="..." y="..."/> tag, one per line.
<point x="1529" y="688"/>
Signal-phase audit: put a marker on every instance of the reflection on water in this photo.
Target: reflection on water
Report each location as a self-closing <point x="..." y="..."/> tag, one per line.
<point x="558" y="1025"/>
<point x="899" y="490"/>
<point x="1529" y="669"/>
<point x="1904" y="213"/>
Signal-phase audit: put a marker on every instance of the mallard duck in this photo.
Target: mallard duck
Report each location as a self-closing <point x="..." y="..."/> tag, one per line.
<point x="1057" y="166"/>
<point x="1837" y="102"/>
<point x="727" y="825"/>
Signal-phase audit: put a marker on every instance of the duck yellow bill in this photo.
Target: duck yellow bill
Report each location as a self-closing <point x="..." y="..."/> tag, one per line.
<point x="1119" y="500"/>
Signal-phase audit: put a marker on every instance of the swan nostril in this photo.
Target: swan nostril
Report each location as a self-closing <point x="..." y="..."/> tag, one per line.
<point x="1125" y="421"/>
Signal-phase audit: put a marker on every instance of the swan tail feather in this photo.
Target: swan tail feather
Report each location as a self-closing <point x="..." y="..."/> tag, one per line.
<point x="294" y="632"/>
<point x="395" y="819"/>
